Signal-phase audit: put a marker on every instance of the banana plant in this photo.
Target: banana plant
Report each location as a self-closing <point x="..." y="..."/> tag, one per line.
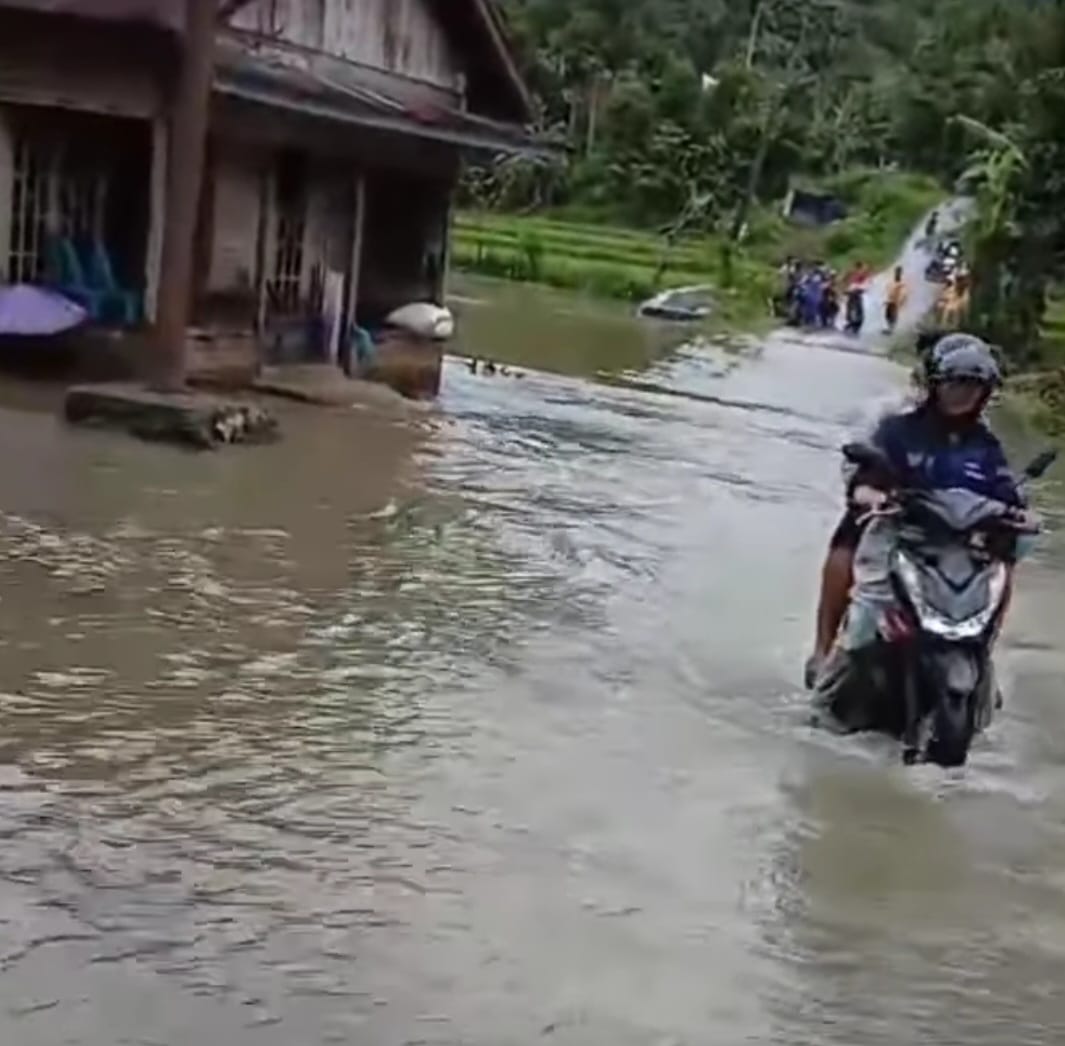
<point x="996" y="169"/>
<point x="1008" y="291"/>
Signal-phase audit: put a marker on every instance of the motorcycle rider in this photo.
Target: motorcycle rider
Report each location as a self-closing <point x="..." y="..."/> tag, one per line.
<point x="932" y="226"/>
<point x="942" y="443"/>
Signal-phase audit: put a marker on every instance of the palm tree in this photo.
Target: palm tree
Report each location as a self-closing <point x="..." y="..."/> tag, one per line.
<point x="1008" y="285"/>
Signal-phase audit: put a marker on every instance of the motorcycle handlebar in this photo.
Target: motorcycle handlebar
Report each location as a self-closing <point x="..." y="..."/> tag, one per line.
<point x="1017" y="521"/>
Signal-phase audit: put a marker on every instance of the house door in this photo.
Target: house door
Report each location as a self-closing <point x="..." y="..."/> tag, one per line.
<point x="287" y="282"/>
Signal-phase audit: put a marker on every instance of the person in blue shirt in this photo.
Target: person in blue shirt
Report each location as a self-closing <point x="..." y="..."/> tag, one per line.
<point x="940" y="446"/>
<point x="942" y="443"/>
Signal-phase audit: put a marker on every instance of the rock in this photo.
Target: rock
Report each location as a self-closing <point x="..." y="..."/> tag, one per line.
<point x="188" y="418"/>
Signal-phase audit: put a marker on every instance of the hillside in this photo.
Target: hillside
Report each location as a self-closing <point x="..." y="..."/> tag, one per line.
<point x="665" y="101"/>
<point x="688" y="113"/>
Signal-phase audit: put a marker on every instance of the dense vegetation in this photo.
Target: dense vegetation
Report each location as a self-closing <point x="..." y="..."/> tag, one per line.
<point x="684" y="114"/>
<point x="632" y="264"/>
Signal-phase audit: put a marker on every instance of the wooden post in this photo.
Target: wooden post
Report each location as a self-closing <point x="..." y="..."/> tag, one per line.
<point x="154" y="253"/>
<point x="187" y="144"/>
<point x="263" y="247"/>
<point x="445" y="268"/>
<point x="7" y="182"/>
<point x="348" y="350"/>
<point x="354" y="269"/>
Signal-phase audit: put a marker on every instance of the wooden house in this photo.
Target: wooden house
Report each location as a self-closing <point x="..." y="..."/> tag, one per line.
<point x="338" y="130"/>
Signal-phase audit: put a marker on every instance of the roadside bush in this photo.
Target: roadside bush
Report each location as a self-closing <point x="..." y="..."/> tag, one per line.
<point x="842" y="240"/>
<point x="531" y="246"/>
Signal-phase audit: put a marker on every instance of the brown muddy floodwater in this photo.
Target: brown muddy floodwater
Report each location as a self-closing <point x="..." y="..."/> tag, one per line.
<point x="483" y="729"/>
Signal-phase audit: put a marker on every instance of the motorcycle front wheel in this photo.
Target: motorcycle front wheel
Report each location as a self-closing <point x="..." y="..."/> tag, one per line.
<point x="954" y="725"/>
<point x="959" y="680"/>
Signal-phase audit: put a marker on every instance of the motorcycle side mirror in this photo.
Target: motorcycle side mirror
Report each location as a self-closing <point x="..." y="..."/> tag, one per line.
<point x="1041" y="463"/>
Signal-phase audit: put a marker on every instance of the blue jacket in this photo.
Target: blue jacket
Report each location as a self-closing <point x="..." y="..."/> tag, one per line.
<point x="929" y="455"/>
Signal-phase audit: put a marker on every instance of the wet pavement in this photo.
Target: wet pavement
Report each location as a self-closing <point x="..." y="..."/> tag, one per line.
<point x="482" y="727"/>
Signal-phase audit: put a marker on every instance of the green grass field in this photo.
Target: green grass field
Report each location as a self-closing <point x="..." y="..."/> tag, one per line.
<point x="633" y="264"/>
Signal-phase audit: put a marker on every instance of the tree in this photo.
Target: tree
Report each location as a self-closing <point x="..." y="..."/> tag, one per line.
<point x="1007" y="294"/>
<point x="739" y="96"/>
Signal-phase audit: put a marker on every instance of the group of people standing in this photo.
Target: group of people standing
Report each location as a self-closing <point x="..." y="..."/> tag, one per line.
<point x="810" y="296"/>
<point x="814" y="295"/>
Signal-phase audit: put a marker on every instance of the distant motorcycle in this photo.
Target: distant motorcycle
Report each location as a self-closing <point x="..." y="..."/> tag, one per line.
<point x="920" y="668"/>
<point x="943" y="265"/>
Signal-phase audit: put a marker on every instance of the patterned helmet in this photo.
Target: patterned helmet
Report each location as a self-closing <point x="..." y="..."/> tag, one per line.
<point x="963" y="357"/>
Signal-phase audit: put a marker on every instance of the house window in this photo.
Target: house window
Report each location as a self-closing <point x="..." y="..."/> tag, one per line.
<point x="29" y="212"/>
<point x="291" y="229"/>
<point x="57" y="190"/>
<point x="80" y="193"/>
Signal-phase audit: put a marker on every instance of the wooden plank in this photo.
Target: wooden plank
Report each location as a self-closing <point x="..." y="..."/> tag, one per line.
<point x="237" y="213"/>
<point x="357" y="238"/>
<point x="266" y="243"/>
<point x="402" y="36"/>
<point x="189" y="118"/>
<point x="102" y="69"/>
<point x="445" y="269"/>
<point x="157" y="208"/>
<point x="229" y="8"/>
<point x="7" y="181"/>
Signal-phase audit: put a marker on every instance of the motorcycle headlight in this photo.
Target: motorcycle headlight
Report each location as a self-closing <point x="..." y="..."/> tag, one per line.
<point x="932" y="621"/>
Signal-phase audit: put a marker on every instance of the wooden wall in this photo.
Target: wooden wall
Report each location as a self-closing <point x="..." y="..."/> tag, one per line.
<point x="399" y="36"/>
<point x="238" y="180"/>
<point x="97" y="68"/>
<point x="243" y="229"/>
<point x="330" y="213"/>
<point x="93" y="68"/>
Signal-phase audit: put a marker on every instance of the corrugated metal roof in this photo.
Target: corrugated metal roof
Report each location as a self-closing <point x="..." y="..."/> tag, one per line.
<point x="476" y="25"/>
<point x="257" y="77"/>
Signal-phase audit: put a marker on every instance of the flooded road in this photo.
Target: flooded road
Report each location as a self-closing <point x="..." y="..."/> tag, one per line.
<point x="484" y="729"/>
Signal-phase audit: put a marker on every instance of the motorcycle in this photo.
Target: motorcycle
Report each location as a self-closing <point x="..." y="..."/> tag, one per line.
<point x="916" y="664"/>
<point x="855" y="311"/>
<point x="944" y="263"/>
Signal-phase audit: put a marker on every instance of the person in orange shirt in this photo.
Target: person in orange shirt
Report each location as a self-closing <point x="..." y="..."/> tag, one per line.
<point x="953" y="304"/>
<point x="957" y="303"/>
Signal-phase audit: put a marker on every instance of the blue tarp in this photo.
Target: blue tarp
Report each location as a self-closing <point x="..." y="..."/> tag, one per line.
<point x="28" y="311"/>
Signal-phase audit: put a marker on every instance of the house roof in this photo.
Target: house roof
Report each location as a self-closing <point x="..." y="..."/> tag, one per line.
<point x="170" y="14"/>
<point x="478" y="26"/>
<point x="266" y="79"/>
<point x="475" y="26"/>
